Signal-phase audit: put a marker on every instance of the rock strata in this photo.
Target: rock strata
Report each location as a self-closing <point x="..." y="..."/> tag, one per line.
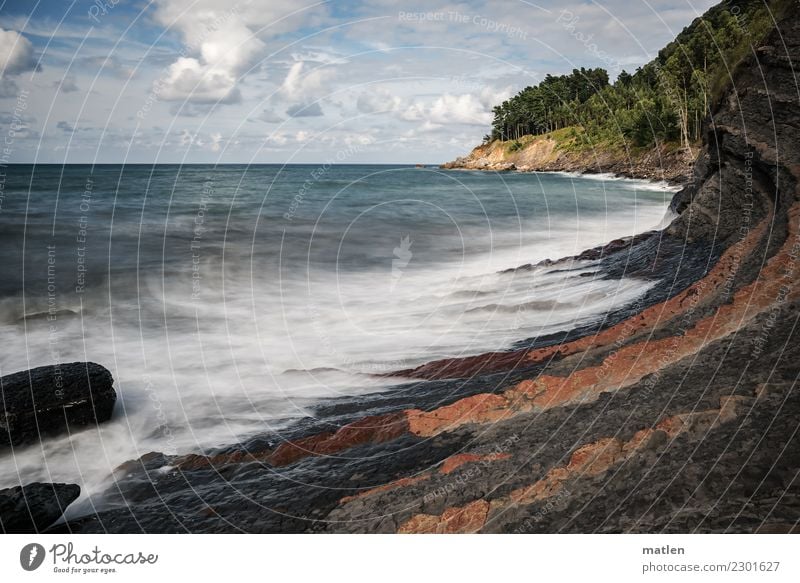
<point x="678" y="414"/>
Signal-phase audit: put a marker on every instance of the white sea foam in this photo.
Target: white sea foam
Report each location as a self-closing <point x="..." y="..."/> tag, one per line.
<point x="259" y="347"/>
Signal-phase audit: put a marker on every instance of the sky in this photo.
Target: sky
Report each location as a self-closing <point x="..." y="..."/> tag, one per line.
<point x="291" y="81"/>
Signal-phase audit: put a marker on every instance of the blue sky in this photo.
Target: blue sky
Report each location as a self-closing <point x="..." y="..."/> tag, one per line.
<point x="288" y="81"/>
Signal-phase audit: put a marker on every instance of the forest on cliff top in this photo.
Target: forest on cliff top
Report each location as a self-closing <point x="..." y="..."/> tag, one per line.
<point x="663" y="102"/>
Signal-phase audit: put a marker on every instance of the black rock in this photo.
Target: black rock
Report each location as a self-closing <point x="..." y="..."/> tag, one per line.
<point x="49" y="399"/>
<point x="32" y="508"/>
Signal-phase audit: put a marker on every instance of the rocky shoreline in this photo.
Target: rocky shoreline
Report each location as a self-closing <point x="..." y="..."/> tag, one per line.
<point x="547" y="154"/>
<point x="40" y="403"/>
<point x="679" y="413"/>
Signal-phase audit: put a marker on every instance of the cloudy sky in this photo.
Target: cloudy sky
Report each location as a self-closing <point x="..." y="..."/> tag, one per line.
<point x="291" y="81"/>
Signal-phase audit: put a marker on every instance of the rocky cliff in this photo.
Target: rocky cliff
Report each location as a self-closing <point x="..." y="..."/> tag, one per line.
<point x="677" y="414"/>
<point x="565" y="151"/>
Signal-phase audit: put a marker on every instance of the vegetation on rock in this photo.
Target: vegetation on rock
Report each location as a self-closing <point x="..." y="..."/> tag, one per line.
<point x="663" y="103"/>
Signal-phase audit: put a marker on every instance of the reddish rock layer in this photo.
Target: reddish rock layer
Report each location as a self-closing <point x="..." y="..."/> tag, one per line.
<point x="449" y="465"/>
<point x="648" y="320"/>
<point x="375" y="429"/>
<point x="632" y="362"/>
<point x="588" y="460"/>
<point x="625" y="366"/>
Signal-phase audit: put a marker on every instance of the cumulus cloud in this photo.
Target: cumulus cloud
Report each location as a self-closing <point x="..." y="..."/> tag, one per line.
<point x="16" y="53"/>
<point x="221" y="44"/>
<point x="302" y="89"/>
<point x="378" y="101"/>
<point x="190" y="80"/>
<point x="467" y="108"/>
<point x="413" y="112"/>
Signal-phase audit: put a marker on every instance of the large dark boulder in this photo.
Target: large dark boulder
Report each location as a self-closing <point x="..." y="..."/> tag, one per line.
<point x="32" y="508"/>
<point x="51" y="399"/>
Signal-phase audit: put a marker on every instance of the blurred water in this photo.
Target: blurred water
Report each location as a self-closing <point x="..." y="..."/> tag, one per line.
<point x="226" y="300"/>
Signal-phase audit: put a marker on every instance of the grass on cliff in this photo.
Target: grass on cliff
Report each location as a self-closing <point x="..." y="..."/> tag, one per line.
<point x="757" y="26"/>
<point x="664" y="101"/>
<point x="576" y="140"/>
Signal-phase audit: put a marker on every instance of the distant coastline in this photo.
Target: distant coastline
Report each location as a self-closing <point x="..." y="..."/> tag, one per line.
<point x="556" y="152"/>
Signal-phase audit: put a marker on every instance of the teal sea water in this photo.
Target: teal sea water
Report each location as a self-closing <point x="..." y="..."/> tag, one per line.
<point x="228" y="300"/>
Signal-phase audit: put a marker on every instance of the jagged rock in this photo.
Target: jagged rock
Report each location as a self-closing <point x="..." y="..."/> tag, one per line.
<point x="51" y="399"/>
<point x="32" y="508"/>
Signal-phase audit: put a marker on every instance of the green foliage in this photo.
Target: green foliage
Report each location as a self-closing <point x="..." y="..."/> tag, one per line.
<point x="665" y="101"/>
<point x="514" y="146"/>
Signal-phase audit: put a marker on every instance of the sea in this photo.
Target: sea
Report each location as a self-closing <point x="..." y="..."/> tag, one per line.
<point x="228" y="300"/>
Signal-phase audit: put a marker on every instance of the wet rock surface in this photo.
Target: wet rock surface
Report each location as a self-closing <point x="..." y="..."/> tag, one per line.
<point x="34" y="507"/>
<point x="677" y="414"/>
<point x="53" y="399"/>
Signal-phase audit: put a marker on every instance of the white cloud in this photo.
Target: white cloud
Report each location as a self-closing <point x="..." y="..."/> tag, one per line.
<point x="187" y="138"/>
<point x="413" y="112"/>
<point x="16" y="53"/>
<point x="465" y="108"/>
<point x="472" y="108"/>
<point x="221" y="44"/>
<point x="190" y="80"/>
<point x="278" y="139"/>
<point x="299" y="86"/>
<point x="216" y="142"/>
<point x="302" y="90"/>
<point x="378" y="101"/>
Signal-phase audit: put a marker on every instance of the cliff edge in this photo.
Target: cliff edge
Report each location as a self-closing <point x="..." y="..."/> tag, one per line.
<point x="567" y="150"/>
<point x="678" y="415"/>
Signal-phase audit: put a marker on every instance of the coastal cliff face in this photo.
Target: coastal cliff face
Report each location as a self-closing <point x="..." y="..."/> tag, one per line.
<point x="677" y="415"/>
<point x="564" y="151"/>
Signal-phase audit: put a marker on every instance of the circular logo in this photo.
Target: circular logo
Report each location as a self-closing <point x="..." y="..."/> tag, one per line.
<point x="31" y="556"/>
